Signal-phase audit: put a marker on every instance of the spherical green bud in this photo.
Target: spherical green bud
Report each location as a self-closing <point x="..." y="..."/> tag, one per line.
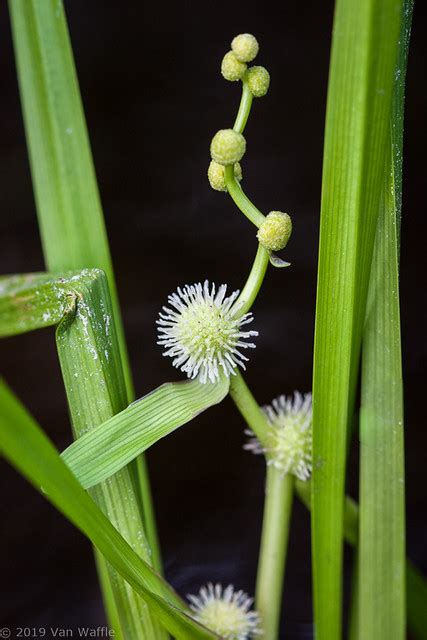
<point x="227" y="147"/>
<point x="275" y="231"/>
<point x="216" y="175"/>
<point x="231" y="68"/>
<point x="258" y="81"/>
<point x="245" y="47"/>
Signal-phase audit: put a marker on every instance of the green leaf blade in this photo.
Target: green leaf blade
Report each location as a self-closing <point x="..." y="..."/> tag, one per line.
<point x="359" y="103"/>
<point x="104" y="450"/>
<point x="381" y="558"/>
<point x="23" y="443"/>
<point x="68" y="204"/>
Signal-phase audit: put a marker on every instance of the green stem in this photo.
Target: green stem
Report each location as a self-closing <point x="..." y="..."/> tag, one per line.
<point x="240" y="198"/>
<point x="274" y="542"/>
<point x="244" y="109"/>
<point x="248" y="406"/>
<point x="254" y="281"/>
<point x="277" y="510"/>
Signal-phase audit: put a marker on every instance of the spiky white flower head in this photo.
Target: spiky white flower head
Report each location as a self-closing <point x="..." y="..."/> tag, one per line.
<point x="288" y="443"/>
<point x="275" y="231"/>
<point x="202" y="331"/>
<point x="226" y="612"/>
<point x="245" y="47"/>
<point x="216" y="175"/>
<point x="227" y="147"/>
<point x="258" y="81"/>
<point x="231" y="68"/>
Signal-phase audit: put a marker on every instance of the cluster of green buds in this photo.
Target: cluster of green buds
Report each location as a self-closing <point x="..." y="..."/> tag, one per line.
<point x="244" y="49"/>
<point x="228" y="146"/>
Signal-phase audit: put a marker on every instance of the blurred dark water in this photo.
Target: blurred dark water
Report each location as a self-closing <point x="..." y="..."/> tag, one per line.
<point x="153" y="96"/>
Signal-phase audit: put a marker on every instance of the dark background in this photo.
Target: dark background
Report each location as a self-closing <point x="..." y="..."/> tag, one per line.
<point x="153" y="96"/>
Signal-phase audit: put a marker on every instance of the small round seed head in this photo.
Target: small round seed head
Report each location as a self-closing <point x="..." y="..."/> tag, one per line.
<point x="228" y="147"/>
<point x="275" y="231"/>
<point x="258" y="81"/>
<point x="231" y="68"/>
<point x="245" y="47"/>
<point x="226" y="612"/>
<point x="216" y="175"/>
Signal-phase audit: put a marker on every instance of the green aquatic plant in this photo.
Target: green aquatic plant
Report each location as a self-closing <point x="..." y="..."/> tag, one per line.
<point x="100" y="481"/>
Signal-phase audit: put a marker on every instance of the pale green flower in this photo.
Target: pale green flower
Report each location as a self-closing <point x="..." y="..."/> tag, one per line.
<point x="216" y="175"/>
<point x="245" y="47"/>
<point x="231" y="68"/>
<point x="226" y="612"/>
<point x="202" y="331"/>
<point x="288" y="444"/>
<point x="227" y="147"/>
<point x="258" y="81"/>
<point x="275" y="231"/>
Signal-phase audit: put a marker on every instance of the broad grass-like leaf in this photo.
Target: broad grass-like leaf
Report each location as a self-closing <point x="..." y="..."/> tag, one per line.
<point x="67" y="198"/>
<point x="24" y="444"/>
<point x="381" y="554"/>
<point x="364" y="52"/>
<point x="107" y="448"/>
<point x="68" y="204"/>
<point x="91" y="366"/>
<point x="416" y="585"/>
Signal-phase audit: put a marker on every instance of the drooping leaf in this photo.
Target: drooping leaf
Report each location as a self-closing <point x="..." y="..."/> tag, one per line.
<point x="24" y="444"/>
<point x="107" y="448"/>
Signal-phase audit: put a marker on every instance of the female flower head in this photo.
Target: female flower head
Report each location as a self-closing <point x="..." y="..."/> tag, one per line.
<point x="202" y="331"/>
<point x="226" y="612"/>
<point x="288" y="444"/>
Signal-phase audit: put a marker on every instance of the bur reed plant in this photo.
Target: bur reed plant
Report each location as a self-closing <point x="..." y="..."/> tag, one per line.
<point x="100" y="481"/>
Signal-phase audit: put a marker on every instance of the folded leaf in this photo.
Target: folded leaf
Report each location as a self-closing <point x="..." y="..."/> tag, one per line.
<point x="107" y="448"/>
<point x="32" y="301"/>
<point x="68" y="205"/>
<point x="24" y="444"/>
